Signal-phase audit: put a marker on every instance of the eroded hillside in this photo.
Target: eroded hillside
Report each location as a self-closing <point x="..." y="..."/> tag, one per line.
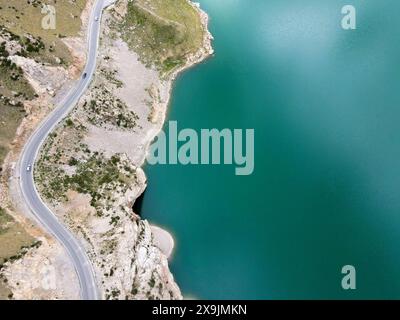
<point x="89" y="169"/>
<point x="36" y="66"/>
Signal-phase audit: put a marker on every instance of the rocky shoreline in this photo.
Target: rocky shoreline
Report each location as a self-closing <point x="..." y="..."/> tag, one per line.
<point x="163" y="236"/>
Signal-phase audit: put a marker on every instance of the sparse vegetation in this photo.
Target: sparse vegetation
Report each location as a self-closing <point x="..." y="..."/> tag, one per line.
<point x="152" y="281"/>
<point x="93" y="175"/>
<point x="21" y="34"/>
<point x="23" y="20"/>
<point x="108" y="111"/>
<point x="94" y="190"/>
<point x="163" y="32"/>
<point x="15" y="243"/>
<point x="111" y="77"/>
<point x="14" y="90"/>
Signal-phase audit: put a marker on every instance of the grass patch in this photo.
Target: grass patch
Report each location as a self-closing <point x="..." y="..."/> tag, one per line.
<point x="14" y="243"/>
<point x="14" y="89"/>
<point x="163" y="32"/>
<point x="25" y="17"/>
<point x="21" y="22"/>
<point x="10" y="118"/>
<point x="12" y="237"/>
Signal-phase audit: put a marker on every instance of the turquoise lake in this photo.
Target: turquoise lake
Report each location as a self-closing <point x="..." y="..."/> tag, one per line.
<point x="325" y="106"/>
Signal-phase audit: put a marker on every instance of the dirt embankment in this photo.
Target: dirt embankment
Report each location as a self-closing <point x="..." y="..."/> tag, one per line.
<point x="89" y="171"/>
<point x="43" y="271"/>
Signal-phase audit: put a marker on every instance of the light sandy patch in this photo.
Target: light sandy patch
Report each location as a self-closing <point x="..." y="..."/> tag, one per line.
<point x="43" y="273"/>
<point x="69" y="170"/>
<point x="77" y="48"/>
<point x="114" y="142"/>
<point x="163" y="240"/>
<point x="133" y="73"/>
<point x="78" y="207"/>
<point x="99" y="226"/>
<point x="77" y="45"/>
<point x="144" y="89"/>
<point x="41" y="78"/>
<point x="139" y="82"/>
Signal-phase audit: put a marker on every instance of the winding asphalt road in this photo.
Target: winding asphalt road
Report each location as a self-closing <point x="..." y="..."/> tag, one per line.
<point x="30" y="194"/>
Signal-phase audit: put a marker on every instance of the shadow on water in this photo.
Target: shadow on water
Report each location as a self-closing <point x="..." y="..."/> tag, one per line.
<point x="137" y="206"/>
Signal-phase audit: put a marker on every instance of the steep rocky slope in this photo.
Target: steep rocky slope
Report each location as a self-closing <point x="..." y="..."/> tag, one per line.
<point x="37" y="67"/>
<point x="89" y="169"/>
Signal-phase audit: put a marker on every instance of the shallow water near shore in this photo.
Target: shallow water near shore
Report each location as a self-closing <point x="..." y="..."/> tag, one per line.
<point x="325" y="106"/>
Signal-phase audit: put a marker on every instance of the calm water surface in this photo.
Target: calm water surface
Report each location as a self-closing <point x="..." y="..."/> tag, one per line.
<point x="325" y="106"/>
